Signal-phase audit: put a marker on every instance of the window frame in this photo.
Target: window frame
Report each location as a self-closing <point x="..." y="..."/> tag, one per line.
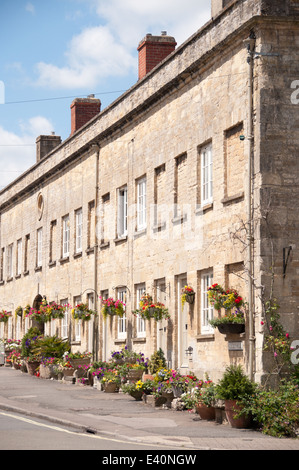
<point x="206" y="310"/>
<point x="122" y="213"/>
<point x="141" y="203"/>
<point x="78" y="230"/>
<point x="66" y="236"/>
<point x="206" y="171"/>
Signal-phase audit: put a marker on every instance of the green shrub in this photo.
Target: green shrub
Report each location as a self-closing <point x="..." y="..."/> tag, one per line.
<point x="28" y="341"/>
<point x="50" y="346"/>
<point x="276" y="411"/>
<point x="234" y="385"/>
<point x="157" y="361"/>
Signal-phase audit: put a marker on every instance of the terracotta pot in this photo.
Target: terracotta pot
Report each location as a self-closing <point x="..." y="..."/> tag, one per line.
<point x="206" y="412"/>
<point x="231" y="411"/>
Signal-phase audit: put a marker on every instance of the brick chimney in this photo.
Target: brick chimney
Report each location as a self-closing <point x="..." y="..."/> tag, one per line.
<point x="45" y="144"/>
<point x="152" y="50"/>
<point x="83" y="110"/>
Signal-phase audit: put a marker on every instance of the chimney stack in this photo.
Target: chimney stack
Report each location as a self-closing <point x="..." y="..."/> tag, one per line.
<point x="83" y="110"/>
<point x="152" y="50"/>
<point x="45" y="144"/>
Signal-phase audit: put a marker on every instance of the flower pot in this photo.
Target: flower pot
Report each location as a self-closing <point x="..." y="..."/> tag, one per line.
<point x="134" y="375"/>
<point x="45" y="372"/>
<point x="137" y="395"/>
<point x="231" y="411"/>
<point x="205" y="412"/>
<point x="169" y="397"/>
<point x="110" y="387"/>
<point x="80" y="362"/>
<point x="231" y="328"/>
<point x="177" y="390"/>
<point x="32" y="366"/>
<point x="68" y="372"/>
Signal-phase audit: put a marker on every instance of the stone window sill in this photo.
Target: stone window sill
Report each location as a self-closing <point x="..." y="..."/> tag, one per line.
<point x="232" y="199"/>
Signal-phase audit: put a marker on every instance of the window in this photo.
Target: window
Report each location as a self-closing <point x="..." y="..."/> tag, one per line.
<point x="39" y="247"/>
<point x="91" y="225"/>
<point x="141" y="204"/>
<point x="206" y="175"/>
<point x="10" y="261"/>
<point x="181" y="184"/>
<point x="53" y="254"/>
<point x="65" y="236"/>
<point x="234" y="163"/>
<point x="26" y="260"/>
<point x="78" y="323"/>
<point x="64" y="320"/>
<point x="19" y="257"/>
<point x="78" y="243"/>
<point x="122" y="327"/>
<point x="140" y="290"/>
<point x="160" y="195"/>
<point x="122" y="222"/>
<point x="2" y="265"/>
<point x="206" y="308"/>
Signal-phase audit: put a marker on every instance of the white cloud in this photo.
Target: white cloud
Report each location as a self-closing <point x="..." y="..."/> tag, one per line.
<point x="91" y="55"/>
<point x="109" y="50"/>
<point x="17" y="151"/>
<point x="30" y="7"/>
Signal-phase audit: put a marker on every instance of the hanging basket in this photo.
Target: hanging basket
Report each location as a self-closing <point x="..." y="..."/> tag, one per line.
<point x="231" y="328"/>
<point x="190" y="298"/>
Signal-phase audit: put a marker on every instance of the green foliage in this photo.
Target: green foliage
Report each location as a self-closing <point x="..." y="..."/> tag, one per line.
<point x="276" y="411"/>
<point x="50" y="346"/>
<point x="28" y="341"/>
<point x="234" y="385"/>
<point x="157" y="361"/>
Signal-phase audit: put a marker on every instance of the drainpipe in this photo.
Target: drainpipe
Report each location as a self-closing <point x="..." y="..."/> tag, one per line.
<point x="251" y="50"/>
<point x="95" y="269"/>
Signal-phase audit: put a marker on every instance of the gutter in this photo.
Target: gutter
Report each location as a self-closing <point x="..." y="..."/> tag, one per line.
<point x="251" y="51"/>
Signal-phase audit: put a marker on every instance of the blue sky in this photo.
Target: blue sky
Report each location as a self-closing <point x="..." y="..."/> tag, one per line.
<point x="52" y="51"/>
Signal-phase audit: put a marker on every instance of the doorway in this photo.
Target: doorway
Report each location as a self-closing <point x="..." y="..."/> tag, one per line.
<point x="182" y="324"/>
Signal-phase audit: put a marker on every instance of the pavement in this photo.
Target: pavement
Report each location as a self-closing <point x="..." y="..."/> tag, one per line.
<point x="119" y="416"/>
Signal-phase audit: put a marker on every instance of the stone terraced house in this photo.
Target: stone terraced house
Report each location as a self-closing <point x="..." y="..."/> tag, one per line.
<point x="189" y="178"/>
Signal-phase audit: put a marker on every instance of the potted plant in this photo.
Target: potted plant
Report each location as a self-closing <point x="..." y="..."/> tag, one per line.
<point x="82" y="312"/>
<point x="233" y="320"/>
<point x="112" y="307"/>
<point x="18" y="312"/>
<point x="79" y="359"/>
<point x="149" y="309"/>
<point x="135" y="389"/>
<point x="187" y="295"/>
<point x="110" y="380"/>
<point x="205" y="396"/>
<point x="234" y="388"/>
<point x="4" y="316"/>
<point x="230" y="322"/>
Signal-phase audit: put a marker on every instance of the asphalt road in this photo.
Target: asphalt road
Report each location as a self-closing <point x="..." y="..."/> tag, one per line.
<point x="19" y="432"/>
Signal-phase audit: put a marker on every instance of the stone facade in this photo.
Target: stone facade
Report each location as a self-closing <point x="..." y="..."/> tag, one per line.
<point x="179" y="139"/>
